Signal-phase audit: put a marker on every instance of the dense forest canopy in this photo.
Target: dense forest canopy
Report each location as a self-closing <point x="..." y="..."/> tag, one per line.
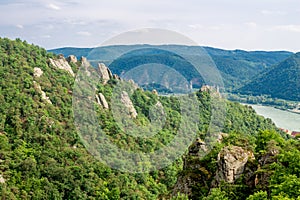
<point x="43" y="157"/>
<point x="281" y="81"/>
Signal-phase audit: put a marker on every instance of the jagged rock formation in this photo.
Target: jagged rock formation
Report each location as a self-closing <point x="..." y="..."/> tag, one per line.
<point x="128" y="104"/>
<point x="231" y="163"/>
<point x="102" y="101"/>
<point x="104" y="72"/>
<point x="37" y="72"/>
<point x="61" y="63"/>
<point x="194" y="172"/>
<point x="39" y="89"/>
<point x="72" y="59"/>
<point x="116" y="77"/>
<point x="198" y="148"/>
<point x="85" y="63"/>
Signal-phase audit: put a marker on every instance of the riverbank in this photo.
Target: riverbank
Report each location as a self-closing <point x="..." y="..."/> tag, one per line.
<point x="265" y="100"/>
<point x="282" y="118"/>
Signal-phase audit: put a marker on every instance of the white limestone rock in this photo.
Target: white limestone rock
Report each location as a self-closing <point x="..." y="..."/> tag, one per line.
<point x="37" y="72"/>
<point x="61" y="63"/>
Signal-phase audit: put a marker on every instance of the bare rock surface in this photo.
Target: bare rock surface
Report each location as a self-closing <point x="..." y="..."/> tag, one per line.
<point x="231" y="163"/>
<point x="37" y="72"/>
<point x="104" y="72"/>
<point x="128" y="104"/>
<point x="2" y="180"/>
<point x="61" y="63"/>
<point x="39" y="89"/>
<point x="72" y="59"/>
<point x="102" y="101"/>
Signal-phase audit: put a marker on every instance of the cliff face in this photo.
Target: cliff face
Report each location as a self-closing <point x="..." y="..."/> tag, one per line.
<point x="232" y="163"/>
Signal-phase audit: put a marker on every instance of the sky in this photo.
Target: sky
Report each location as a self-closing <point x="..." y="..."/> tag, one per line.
<point x="227" y="24"/>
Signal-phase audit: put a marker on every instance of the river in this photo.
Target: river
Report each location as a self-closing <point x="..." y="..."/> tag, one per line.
<point x="282" y="119"/>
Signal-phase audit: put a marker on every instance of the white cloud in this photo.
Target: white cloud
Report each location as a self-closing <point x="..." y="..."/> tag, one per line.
<point x="84" y="33"/>
<point x="195" y="26"/>
<point x="272" y="12"/>
<point x="20" y="26"/>
<point x="53" y="6"/>
<point x="290" y="28"/>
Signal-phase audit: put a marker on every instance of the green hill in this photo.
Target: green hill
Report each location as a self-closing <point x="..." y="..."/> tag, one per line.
<point x="236" y="67"/>
<point x="43" y="157"/>
<point x="281" y="81"/>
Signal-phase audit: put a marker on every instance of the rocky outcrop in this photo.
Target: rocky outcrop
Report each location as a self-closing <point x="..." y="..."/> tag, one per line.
<point x="102" y="101"/>
<point x="128" y="104"/>
<point x="231" y="163"/>
<point x="85" y="64"/>
<point x="61" y="63"/>
<point x="155" y="92"/>
<point x="198" y="148"/>
<point x="39" y="90"/>
<point x="193" y="171"/>
<point x="221" y="137"/>
<point x="72" y="59"/>
<point x="37" y="72"/>
<point x="104" y="72"/>
<point x="2" y="180"/>
<point x="183" y="185"/>
<point x="116" y="77"/>
<point x="135" y="86"/>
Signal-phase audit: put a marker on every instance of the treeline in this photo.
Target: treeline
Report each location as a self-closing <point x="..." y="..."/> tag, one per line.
<point x="262" y="99"/>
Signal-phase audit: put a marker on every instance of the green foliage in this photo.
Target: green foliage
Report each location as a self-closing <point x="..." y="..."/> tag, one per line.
<point x="261" y="195"/>
<point x="281" y="81"/>
<point x="236" y="67"/>
<point x="264" y="138"/>
<point x="216" y="194"/>
<point x="42" y="157"/>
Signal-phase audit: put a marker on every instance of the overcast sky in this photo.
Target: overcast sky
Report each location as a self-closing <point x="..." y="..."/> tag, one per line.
<point x="229" y="24"/>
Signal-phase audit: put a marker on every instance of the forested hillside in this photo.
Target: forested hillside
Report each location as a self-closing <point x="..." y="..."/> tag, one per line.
<point x="237" y="67"/>
<point x="281" y="81"/>
<point x="43" y="157"/>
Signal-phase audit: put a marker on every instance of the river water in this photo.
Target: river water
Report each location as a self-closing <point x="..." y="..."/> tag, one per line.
<point x="282" y="119"/>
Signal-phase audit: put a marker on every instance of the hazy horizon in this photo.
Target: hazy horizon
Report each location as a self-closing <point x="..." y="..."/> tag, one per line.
<point x="246" y="25"/>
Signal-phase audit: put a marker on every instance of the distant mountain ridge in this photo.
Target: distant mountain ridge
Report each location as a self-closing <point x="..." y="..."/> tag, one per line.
<point x="237" y="67"/>
<point x="281" y="81"/>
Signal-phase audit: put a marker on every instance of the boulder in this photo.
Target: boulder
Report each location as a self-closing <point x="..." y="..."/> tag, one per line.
<point x="37" y="72"/>
<point x="128" y="104"/>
